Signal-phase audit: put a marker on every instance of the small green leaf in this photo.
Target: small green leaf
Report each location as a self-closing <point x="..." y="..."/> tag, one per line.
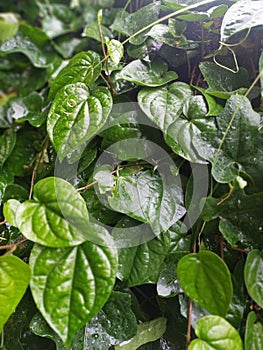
<point x="91" y="30"/>
<point x="76" y="115"/>
<point x="57" y="216"/>
<point x="147" y="74"/>
<point x="254" y="333"/>
<point x="215" y="333"/>
<point x="205" y="278"/>
<point x="8" y="26"/>
<point x="146" y="332"/>
<point x="71" y="285"/>
<point x="10" y="210"/>
<point x="115" y="50"/>
<point x="14" y="279"/>
<point x="84" y="67"/>
<point x="253" y="275"/>
<point x="7" y="143"/>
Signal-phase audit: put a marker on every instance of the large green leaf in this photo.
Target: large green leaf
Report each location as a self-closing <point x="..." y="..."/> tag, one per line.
<point x="237" y="144"/>
<point x="254" y="333"/>
<point x="57" y="216"/>
<point x="205" y="278"/>
<point x="84" y="67"/>
<point x="147" y="74"/>
<point x="70" y="285"/>
<point x="76" y="115"/>
<point x="242" y="15"/>
<point x="215" y="333"/>
<point x="14" y="279"/>
<point x="149" y="198"/>
<point x="7" y="143"/>
<point x="253" y="275"/>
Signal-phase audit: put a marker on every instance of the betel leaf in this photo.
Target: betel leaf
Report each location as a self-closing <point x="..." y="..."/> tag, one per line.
<point x="146" y="332"/>
<point x="76" y="115"/>
<point x="91" y="31"/>
<point x="57" y="216"/>
<point x="84" y="67"/>
<point x="240" y="16"/>
<point x="215" y="333"/>
<point x="9" y="211"/>
<point x="115" y="50"/>
<point x="150" y="198"/>
<point x="9" y="23"/>
<point x="70" y="285"/>
<point x="147" y="74"/>
<point x="14" y="279"/>
<point x="254" y="333"/>
<point x="7" y="143"/>
<point x="236" y="146"/>
<point x="206" y="279"/>
<point x="253" y="275"/>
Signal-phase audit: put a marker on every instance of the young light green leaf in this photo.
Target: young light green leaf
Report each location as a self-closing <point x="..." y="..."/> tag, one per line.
<point x="14" y="279"/>
<point x="115" y="50"/>
<point x="7" y="143"/>
<point x="9" y="23"/>
<point x="70" y="285"/>
<point x="147" y="74"/>
<point x="241" y="15"/>
<point x="146" y="332"/>
<point x="76" y="115"/>
<point x="10" y="210"/>
<point x="206" y="279"/>
<point x="254" y="333"/>
<point x="84" y="67"/>
<point x="253" y="276"/>
<point x="57" y="216"/>
<point x="215" y="333"/>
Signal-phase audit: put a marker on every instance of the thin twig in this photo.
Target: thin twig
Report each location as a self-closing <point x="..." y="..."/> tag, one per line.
<point x="12" y="246"/>
<point x="96" y="181"/>
<point x="3" y="222"/>
<point x="189" y="323"/>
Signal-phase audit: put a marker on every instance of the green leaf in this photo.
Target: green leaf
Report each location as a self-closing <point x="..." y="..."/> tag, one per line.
<point x="84" y="67"/>
<point x="215" y="333"/>
<point x="115" y="50"/>
<point x="76" y="115"/>
<point x="7" y="143"/>
<point x="147" y="74"/>
<point x="10" y="210"/>
<point x="14" y="279"/>
<point x="242" y="15"/>
<point x="8" y="26"/>
<point x="57" y="216"/>
<point x="253" y="276"/>
<point x="149" y="198"/>
<point x="71" y="285"/>
<point x="146" y="332"/>
<point x="205" y="278"/>
<point x="91" y="30"/>
<point x="254" y="333"/>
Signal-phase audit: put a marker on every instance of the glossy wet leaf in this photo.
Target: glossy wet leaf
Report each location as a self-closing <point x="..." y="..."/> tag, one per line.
<point x="76" y="115"/>
<point x="9" y="211"/>
<point x="253" y="275"/>
<point x="56" y="216"/>
<point x="84" y="67"/>
<point x="147" y="74"/>
<point x="240" y="16"/>
<point x="91" y="31"/>
<point x="115" y="50"/>
<point x="14" y="280"/>
<point x="146" y="332"/>
<point x="71" y="285"/>
<point x="206" y="279"/>
<point x="215" y="333"/>
<point x="254" y="333"/>
<point x="7" y="143"/>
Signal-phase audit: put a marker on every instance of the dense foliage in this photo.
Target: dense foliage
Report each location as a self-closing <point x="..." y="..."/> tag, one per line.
<point x="131" y="167"/>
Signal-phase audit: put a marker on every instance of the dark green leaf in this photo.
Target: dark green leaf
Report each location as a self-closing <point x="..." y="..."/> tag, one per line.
<point x="71" y="285"/>
<point x="76" y="115"/>
<point x="254" y="333"/>
<point x="92" y="31"/>
<point x="84" y="67"/>
<point x="215" y="333"/>
<point x="7" y="143"/>
<point x="205" y="278"/>
<point x="147" y="74"/>
<point x="253" y="276"/>
<point x="14" y="279"/>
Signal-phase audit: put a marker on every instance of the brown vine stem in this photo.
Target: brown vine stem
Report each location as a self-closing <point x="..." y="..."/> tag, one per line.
<point x="96" y="181"/>
<point x="12" y="247"/>
<point x="2" y="222"/>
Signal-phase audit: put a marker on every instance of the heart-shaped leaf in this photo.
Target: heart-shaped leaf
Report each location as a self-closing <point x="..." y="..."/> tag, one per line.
<point x="14" y="279"/>
<point x="70" y="285"/>
<point x="215" y="333"/>
<point x="76" y="115"/>
<point x="253" y="276"/>
<point x="7" y="143"/>
<point x="206" y="279"/>
<point x="254" y="333"/>
<point x="84" y="67"/>
<point x="57" y="216"/>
